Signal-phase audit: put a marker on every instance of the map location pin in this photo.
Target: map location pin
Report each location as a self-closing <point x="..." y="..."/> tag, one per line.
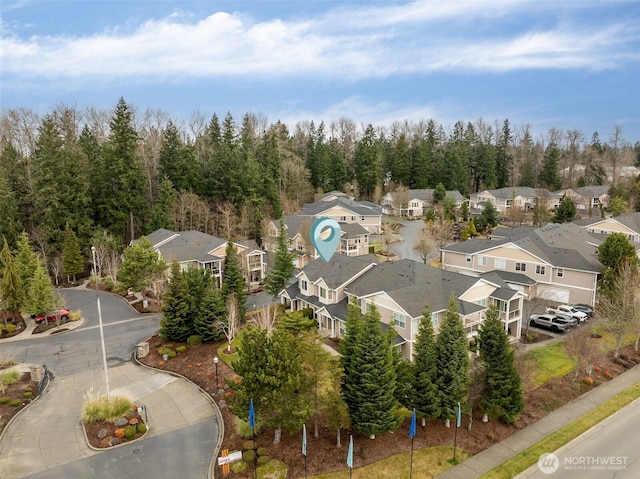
<point x="325" y="246"/>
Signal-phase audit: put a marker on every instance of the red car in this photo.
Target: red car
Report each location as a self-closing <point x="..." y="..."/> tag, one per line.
<point x="62" y="314"/>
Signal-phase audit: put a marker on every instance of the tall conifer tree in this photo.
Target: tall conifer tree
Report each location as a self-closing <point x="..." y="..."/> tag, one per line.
<point x="425" y="390"/>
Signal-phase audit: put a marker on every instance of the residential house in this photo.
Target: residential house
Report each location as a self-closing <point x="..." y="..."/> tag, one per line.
<point x="414" y="203"/>
<point x="203" y="251"/>
<point x="522" y="197"/>
<point x="354" y="238"/>
<point x="589" y="200"/>
<point x="399" y="291"/>
<point x="628" y="224"/>
<point x="331" y="195"/>
<point x="560" y="258"/>
<point x="343" y="210"/>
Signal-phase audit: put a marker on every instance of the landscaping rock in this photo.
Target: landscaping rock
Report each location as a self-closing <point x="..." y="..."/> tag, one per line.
<point x="114" y="441"/>
<point x="102" y="433"/>
<point x="121" y="422"/>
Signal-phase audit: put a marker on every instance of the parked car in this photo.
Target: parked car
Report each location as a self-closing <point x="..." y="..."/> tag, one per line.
<point x="549" y="321"/>
<point x="569" y="319"/>
<point x="585" y="308"/>
<point x="60" y="314"/>
<point x="571" y="311"/>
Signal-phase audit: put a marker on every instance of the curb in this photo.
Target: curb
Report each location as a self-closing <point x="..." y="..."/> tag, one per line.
<point x="215" y="408"/>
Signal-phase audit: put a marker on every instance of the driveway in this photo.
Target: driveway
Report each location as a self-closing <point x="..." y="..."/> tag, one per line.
<point x="411" y="232"/>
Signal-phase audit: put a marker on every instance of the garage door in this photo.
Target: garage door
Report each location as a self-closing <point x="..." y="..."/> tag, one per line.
<point x="553" y="294"/>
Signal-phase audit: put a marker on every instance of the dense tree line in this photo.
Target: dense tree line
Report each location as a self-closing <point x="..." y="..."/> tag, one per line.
<point x="128" y="172"/>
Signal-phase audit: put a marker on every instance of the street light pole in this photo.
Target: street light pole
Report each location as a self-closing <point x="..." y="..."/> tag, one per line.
<point x="104" y="351"/>
<point x="215" y="361"/>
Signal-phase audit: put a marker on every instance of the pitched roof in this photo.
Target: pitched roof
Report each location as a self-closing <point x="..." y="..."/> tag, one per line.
<point x="427" y="195"/>
<point x="562" y="245"/>
<point x="352" y="230"/>
<point x="509" y="192"/>
<point x="595" y="191"/>
<point x="190" y="246"/>
<point x="338" y="270"/>
<point x="630" y="220"/>
<point x="360" y="208"/>
<point x="160" y="235"/>
<point x="412" y="284"/>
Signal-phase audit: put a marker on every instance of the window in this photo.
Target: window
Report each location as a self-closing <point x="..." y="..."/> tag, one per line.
<point x="362" y="218"/>
<point x="468" y="258"/>
<point x="323" y="293"/>
<point x="303" y="285"/>
<point x="343" y="218"/>
<point x="434" y="320"/>
<point x="540" y="269"/>
<point x="521" y="267"/>
<point x="560" y="272"/>
<point x="482" y="260"/>
<point x="481" y="302"/>
<point x="399" y="320"/>
<point x="368" y="307"/>
<point x="500" y="263"/>
<point x="353" y="218"/>
<point x="343" y="328"/>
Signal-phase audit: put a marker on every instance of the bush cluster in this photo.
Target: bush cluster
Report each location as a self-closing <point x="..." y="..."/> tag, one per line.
<point x="194" y="340"/>
<point x="129" y="432"/>
<point x="5" y="400"/>
<point x="181" y="349"/>
<point x="16" y="403"/>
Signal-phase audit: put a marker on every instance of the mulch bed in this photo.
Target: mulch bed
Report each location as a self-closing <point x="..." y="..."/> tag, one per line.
<point x="324" y="457"/>
<point x="16" y="391"/>
<point x="109" y="438"/>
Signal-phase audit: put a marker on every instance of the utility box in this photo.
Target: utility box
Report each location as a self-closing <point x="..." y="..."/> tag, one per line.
<point x="142" y="350"/>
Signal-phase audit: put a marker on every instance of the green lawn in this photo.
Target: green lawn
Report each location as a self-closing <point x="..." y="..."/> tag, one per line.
<point x="427" y="463"/>
<point x="549" y="362"/>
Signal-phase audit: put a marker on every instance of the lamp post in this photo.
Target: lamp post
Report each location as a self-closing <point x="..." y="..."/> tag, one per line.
<point x="215" y="361"/>
<point x="104" y="352"/>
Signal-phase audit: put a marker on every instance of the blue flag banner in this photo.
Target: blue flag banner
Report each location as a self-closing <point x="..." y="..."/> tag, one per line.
<point x="252" y="416"/>
<point x="304" y="439"/>
<point x="412" y="428"/>
<point x="459" y="416"/>
<point x="350" y="453"/>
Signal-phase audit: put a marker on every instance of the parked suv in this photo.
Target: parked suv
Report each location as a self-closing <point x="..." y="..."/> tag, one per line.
<point x="61" y="314"/>
<point x="571" y="311"/>
<point x="549" y="321"/>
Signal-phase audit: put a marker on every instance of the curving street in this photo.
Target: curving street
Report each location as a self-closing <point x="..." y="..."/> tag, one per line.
<point x="46" y="439"/>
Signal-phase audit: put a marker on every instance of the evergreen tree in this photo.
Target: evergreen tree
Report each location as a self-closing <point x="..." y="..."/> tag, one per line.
<point x="72" y="260"/>
<point x="439" y="193"/>
<point x="616" y="252"/>
<point x="233" y="281"/>
<point x="349" y="352"/>
<point x="177" y="161"/>
<point x="177" y="315"/>
<point x="213" y="310"/>
<point x="503" y="156"/>
<point x="488" y="218"/>
<point x="11" y="292"/>
<point x="425" y="390"/>
<point x="452" y="362"/>
<point x="548" y="176"/>
<point x="122" y="193"/>
<point x="273" y="376"/>
<point x="40" y="298"/>
<point x="566" y="211"/>
<point x="141" y="265"/>
<point x="372" y="380"/>
<point x="283" y="267"/>
<point x="10" y="219"/>
<point x="367" y="164"/>
<point x="503" y="397"/>
<point x="26" y="261"/>
<point x="159" y="217"/>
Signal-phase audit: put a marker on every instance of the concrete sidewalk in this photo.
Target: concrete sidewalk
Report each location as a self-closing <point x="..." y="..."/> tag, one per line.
<point x="46" y="436"/>
<point x="494" y="456"/>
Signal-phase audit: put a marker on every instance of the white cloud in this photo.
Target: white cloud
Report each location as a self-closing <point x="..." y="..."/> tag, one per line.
<point x="345" y="44"/>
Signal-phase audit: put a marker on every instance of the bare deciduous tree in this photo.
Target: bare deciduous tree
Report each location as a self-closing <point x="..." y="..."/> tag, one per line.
<point x="425" y="247"/>
<point x="620" y="308"/>
<point x="266" y="318"/>
<point x="229" y="325"/>
<point x="583" y="350"/>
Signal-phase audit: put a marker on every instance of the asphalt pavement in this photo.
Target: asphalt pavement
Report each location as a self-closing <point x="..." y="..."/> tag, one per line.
<point x="46" y="439"/>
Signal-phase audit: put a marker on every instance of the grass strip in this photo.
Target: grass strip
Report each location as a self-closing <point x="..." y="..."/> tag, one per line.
<point x="428" y="462"/>
<point x="529" y="457"/>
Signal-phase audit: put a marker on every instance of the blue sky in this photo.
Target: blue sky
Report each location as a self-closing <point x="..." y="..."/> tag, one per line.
<point x="563" y="64"/>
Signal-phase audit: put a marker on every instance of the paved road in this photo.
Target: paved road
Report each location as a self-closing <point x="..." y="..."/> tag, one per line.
<point x="79" y="350"/>
<point x="46" y="440"/>
<point x="609" y="450"/>
<point x="411" y="232"/>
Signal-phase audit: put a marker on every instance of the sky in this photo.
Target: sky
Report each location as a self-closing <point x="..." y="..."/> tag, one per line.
<point x="568" y="64"/>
